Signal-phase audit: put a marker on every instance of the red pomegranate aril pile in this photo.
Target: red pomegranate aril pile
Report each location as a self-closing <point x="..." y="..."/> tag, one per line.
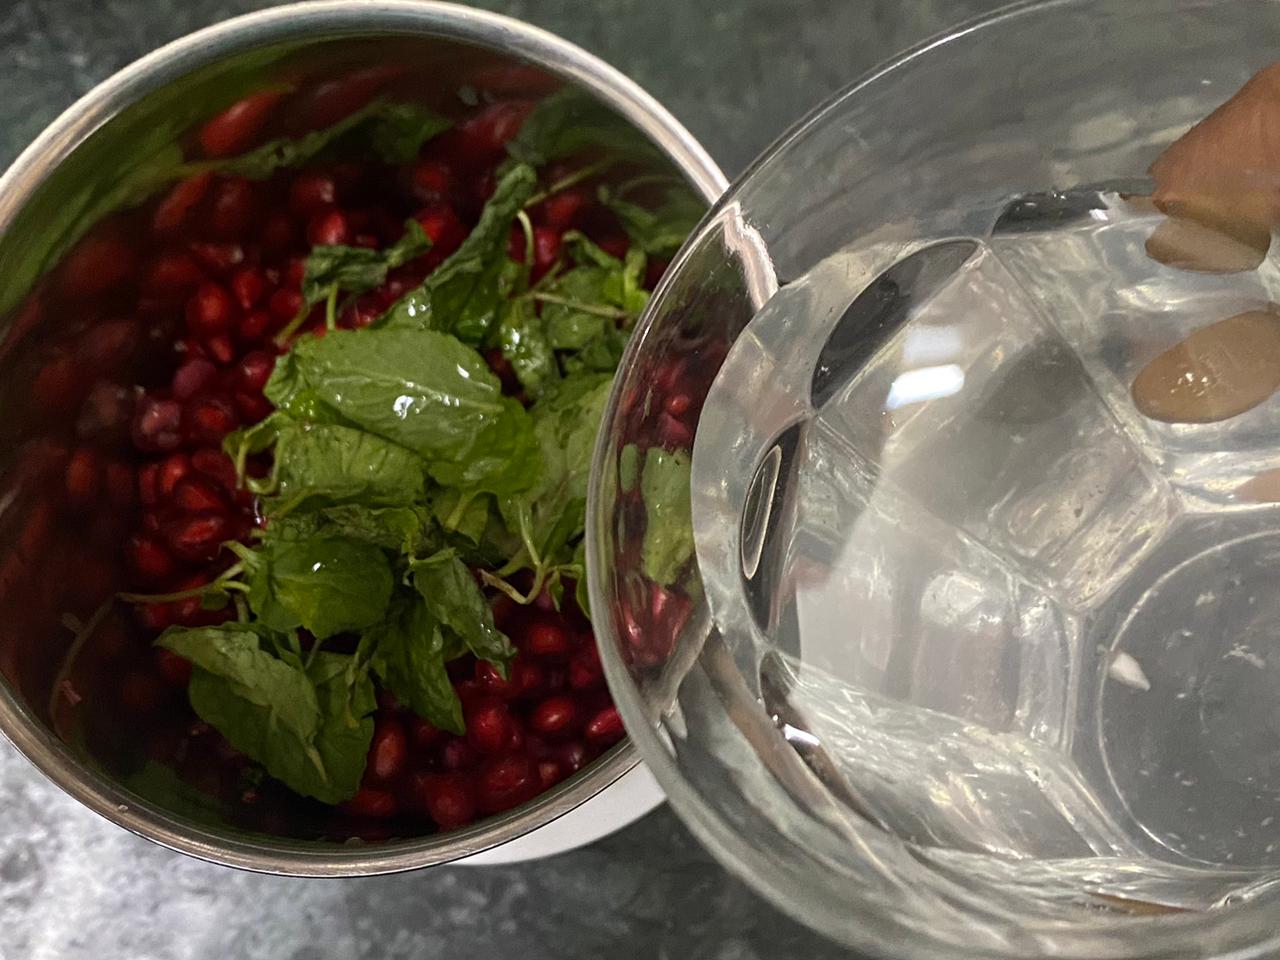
<point x="184" y="300"/>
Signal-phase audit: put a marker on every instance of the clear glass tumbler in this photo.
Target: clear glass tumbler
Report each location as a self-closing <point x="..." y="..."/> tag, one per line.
<point x="940" y="615"/>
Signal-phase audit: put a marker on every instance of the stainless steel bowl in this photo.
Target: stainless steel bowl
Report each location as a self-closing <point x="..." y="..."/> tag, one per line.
<point x="95" y="135"/>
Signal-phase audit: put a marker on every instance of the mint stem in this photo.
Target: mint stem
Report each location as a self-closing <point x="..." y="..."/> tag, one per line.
<point x="570" y="180"/>
<point x="610" y="313"/>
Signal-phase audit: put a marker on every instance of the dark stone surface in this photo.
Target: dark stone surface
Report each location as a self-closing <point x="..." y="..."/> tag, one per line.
<point x="73" y="887"/>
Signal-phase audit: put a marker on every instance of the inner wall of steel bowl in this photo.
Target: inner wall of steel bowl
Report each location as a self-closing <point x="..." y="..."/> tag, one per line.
<point x="58" y="567"/>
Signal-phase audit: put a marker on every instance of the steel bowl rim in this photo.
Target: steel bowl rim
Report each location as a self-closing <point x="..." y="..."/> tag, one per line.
<point x="314" y="20"/>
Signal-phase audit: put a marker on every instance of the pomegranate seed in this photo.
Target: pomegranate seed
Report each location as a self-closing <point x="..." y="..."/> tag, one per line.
<point x="181" y="200"/>
<point x="199" y="537"/>
<point x="277" y="234"/>
<point x="106" y="412"/>
<point x="285" y="304"/>
<point x="58" y="385"/>
<point x="176" y="670"/>
<point x="546" y="248"/>
<point x="100" y="262"/>
<point x="252" y="407"/>
<point x="585" y="670"/>
<point x="528" y="677"/>
<point x="456" y="754"/>
<point x="483" y="137"/>
<point x="210" y="310"/>
<point x="653" y="272"/>
<point x="572" y="755"/>
<point x="209" y="420"/>
<point x="605" y="728"/>
<point x="154" y="616"/>
<point x="171" y="273"/>
<point x="220" y="349"/>
<point x="549" y="773"/>
<point x="156" y="424"/>
<point x="84" y="476"/>
<point x="295" y="272"/>
<point x="312" y="192"/>
<point x="255" y="326"/>
<point x="119" y="483"/>
<point x="248" y="286"/>
<point x="441" y="224"/>
<point x="172" y="470"/>
<point x="193" y="377"/>
<point x="388" y="751"/>
<point x="148" y="490"/>
<point x="423" y="734"/>
<point x="555" y="717"/>
<point x="615" y="246"/>
<point x="489" y="677"/>
<point x="254" y="370"/>
<point x="673" y="434"/>
<point x="448" y="798"/>
<point x="328" y="229"/>
<point x="560" y="211"/>
<point x="488" y="725"/>
<point x="149" y="560"/>
<point x="431" y="180"/>
<point x="216" y="465"/>
<point x="187" y="611"/>
<point x="387" y="701"/>
<point x="220" y="258"/>
<point x="36" y="530"/>
<point x="140" y="692"/>
<point x="678" y="404"/>
<point x="333" y="100"/>
<point x="232" y="211"/>
<point x="546" y="639"/>
<point x="195" y="495"/>
<point x="108" y="344"/>
<point x="370" y="802"/>
<point x="237" y="127"/>
<point x="504" y="783"/>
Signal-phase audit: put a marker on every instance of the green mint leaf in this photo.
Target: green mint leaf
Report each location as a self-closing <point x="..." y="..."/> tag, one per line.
<point x="463" y="295"/>
<point x="233" y="653"/>
<point x="423" y="390"/>
<point x="354" y="270"/>
<point x="588" y="309"/>
<point x="527" y="348"/>
<point x="628" y="467"/>
<point x="326" y="584"/>
<point x="464" y="514"/>
<point x="668" y="533"/>
<point x="661" y="231"/>
<point x="310" y="729"/>
<point x="600" y="355"/>
<point x="409" y="656"/>
<point x="407" y="530"/>
<point x="456" y="601"/>
<point x="347" y="701"/>
<point x="580" y="588"/>
<point x="570" y="121"/>
<point x="566" y="422"/>
<point x="400" y="130"/>
<point x="322" y="464"/>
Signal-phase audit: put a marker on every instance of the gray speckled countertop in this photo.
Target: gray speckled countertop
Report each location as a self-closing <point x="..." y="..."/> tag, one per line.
<point x="73" y="887"/>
